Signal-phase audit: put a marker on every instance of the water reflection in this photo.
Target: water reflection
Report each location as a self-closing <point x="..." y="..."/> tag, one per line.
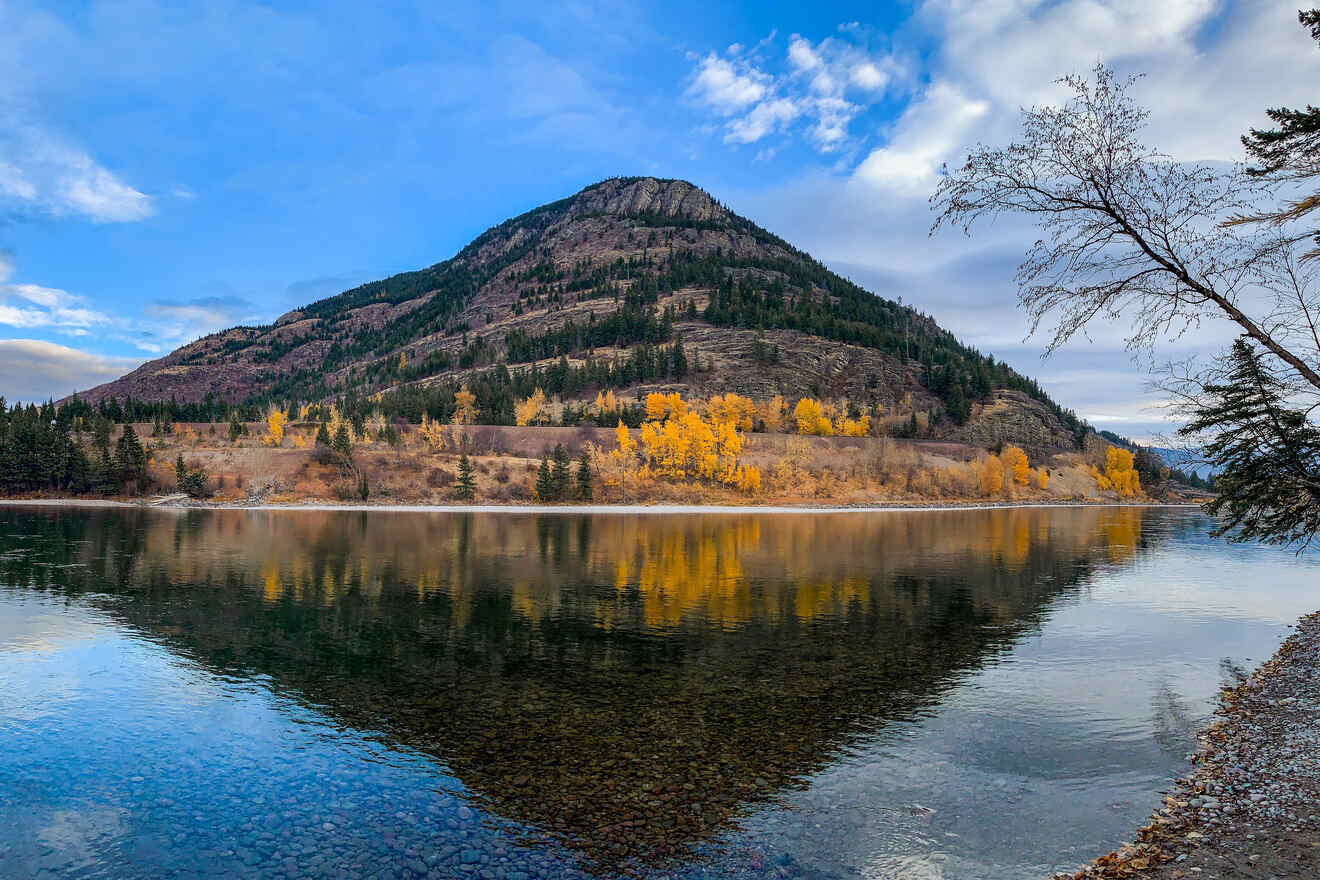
<point x="631" y="685"/>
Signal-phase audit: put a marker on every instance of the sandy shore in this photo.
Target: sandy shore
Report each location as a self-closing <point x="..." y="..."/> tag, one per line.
<point x="611" y="509"/>
<point x="1250" y="809"/>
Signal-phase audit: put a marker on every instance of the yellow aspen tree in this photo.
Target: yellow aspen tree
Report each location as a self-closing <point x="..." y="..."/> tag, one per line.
<point x="532" y="411"/>
<point x="665" y="406"/>
<point x="465" y="407"/>
<point x="731" y="408"/>
<point x="433" y="434"/>
<point x="990" y="475"/>
<point x="1120" y="473"/>
<point x="773" y="414"/>
<point x="276" y="419"/>
<point x="1015" y="461"/>
<point x="1042" y="479"/>
<point x="811" y="418"/>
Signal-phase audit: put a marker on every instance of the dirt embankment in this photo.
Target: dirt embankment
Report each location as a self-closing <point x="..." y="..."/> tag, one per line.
<point x="1250" y="809"/>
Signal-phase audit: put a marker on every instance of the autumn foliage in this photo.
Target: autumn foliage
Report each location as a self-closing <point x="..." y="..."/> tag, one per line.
<point x="677" y="445"/>
<point x="276" y="419"/>
<point x="532" y="411"/>
<point x="1119" y="475"/>
<point x="465" y="407"/>
<point x="811" y="419"/>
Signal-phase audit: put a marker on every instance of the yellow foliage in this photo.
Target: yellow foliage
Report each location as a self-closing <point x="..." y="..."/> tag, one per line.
<point x="403" y="362"/>
<point x="854" y="427"/>
<point x="336" y="419"/>
<point x="606" y="402"/>
<point x="681" y="445"/>
<point x="1103" y="483"/>
<point x="748" y="479"/>
<point x="1119" y="474"/>
<point x="626" y="443"/>
<point x="731" y="408"/>
<point x="1015" y="461"/>
<point x="811" y="419"/>
<point x="375" y="425"/>
<point x="434" y="434"/>
<point x="665" y="406"/>
<point x="299" y="441"/>
<point x="276" y="419"/>
<point x="1042" y="479"/>
<point x="533" y="410"/>
<point x="990" y="476"/>
<point x="465" y="407"/>
<point x="773" y="414"/>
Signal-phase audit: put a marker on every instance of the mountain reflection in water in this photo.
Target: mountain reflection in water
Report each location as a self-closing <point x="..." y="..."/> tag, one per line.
<point x="629" y="684"/>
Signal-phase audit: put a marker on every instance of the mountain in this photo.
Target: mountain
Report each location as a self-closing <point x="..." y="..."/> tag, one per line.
<point x="633" y="283"/>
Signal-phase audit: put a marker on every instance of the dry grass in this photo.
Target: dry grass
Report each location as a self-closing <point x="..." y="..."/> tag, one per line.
<point x="795" y="469"/>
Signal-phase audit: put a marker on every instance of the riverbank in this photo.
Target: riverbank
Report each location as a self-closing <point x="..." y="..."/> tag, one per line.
<point x="621" y="508"/>
<point x="1251" y="806"/>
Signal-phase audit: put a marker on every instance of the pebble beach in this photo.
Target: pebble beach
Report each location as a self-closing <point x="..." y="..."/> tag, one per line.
<point x="1250" y="807"/>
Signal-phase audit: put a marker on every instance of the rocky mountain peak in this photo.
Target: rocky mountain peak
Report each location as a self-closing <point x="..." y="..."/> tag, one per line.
<point x="650" y="196"/>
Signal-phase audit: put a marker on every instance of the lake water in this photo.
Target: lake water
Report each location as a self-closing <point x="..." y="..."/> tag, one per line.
<point x="972" y="694"/>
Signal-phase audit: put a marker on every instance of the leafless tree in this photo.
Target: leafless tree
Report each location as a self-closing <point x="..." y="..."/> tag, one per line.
<point x="1131" y="235"/>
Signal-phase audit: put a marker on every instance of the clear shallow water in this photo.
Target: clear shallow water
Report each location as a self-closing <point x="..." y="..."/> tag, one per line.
<point x="891" y="695"/>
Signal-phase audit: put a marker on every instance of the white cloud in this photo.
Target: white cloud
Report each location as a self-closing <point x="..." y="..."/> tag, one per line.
<point x="30" y="305"/>
<point x="764" y="118"/>
<point x="867" y="76"/>
<point x="34" y="370"/>
<point x="725" y="88"/>
<point x="40" y="172"/>
<point x="824" y="84"/>
<point x="801" y="55"/>
<point x="924" y="137"/>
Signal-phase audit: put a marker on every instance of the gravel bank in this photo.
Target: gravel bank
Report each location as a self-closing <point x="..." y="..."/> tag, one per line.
<point x="1251" y="806"/>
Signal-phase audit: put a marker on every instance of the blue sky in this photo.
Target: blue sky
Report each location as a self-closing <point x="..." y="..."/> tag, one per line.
<point x="169" y="170"/>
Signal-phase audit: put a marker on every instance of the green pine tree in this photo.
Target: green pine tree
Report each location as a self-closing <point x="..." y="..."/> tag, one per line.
<point x="584" y="491"/>
<point x="236" y="428"/>
<point x="545" y="487"/>
<point x="465" y="488"/>
<point x="559" y="475"/>
<point x="342" y="443"/>
<point x="131" y="460"/>
<point x="323" y="436"/>
<point x="1267" y="454"/>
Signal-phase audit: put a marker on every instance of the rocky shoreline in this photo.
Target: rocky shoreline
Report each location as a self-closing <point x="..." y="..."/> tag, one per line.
<point x="177" y="502"/>
<point x="1250" y="808"/>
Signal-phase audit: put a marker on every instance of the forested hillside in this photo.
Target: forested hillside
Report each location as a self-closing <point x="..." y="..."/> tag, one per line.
<point x="631" y="285"/>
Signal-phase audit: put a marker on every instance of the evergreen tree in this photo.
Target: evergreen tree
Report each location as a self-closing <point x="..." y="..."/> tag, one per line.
<point x="236" y="428"/>
<point x="1268" y="455"/>
<point x="465" y="488"/>
<point x="545" y="487"/>
<point x="956" y="402"/>
<point x="342" y="443"/>
<point x="559" y="475"/>
<point x="130" y="460"/>
<point x="193" y="482"/>
<point x="584" y="491"/>
<point x="323" y="436"/>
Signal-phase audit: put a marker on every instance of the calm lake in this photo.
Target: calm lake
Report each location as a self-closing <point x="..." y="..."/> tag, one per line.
<point x="972" y="694"/>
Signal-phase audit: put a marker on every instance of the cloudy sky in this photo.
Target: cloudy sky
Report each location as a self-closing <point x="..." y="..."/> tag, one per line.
<point x="167" y="170"/>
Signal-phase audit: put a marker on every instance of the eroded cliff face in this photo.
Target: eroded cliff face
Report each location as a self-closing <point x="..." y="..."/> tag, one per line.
<point x="662" y="198"/>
